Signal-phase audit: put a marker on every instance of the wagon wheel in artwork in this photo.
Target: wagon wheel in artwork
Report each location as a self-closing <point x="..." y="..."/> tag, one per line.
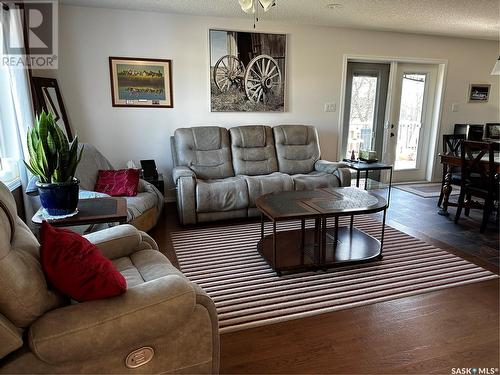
<point x="262" y="76"/>
<point x="228" y="72"/>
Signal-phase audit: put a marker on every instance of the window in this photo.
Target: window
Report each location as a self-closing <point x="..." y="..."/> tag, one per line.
<point x="16" y="112"/>
<point x="10" y="154"/>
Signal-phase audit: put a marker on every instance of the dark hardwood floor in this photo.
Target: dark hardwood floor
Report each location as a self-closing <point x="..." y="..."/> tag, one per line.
<point x="428" y="333"/>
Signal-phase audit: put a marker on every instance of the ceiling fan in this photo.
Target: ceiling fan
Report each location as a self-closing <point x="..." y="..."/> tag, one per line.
<point x="252" y="7"/>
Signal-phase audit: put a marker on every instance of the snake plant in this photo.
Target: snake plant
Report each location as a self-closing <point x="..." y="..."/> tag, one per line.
<point x="52" y="157"/>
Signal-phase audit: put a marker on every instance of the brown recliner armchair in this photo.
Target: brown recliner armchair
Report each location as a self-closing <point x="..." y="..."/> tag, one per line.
<point x="162" y="313"/>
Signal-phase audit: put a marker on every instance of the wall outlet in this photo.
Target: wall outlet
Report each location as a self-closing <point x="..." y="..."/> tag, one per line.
<point x="330" y="107"/>
<point x="454" y="107"/>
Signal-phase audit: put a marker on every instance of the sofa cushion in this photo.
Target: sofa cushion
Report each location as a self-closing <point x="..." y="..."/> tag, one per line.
<point x="314" y="180"/>
<point x="206" y="150"/>
<point x="253" y="150"/>
<point x="221" y="195"/>
<point x="297" y="148"/>
<point x="259" y="185"/>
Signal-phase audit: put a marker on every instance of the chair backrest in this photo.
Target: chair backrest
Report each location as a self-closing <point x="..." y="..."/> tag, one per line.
<point x="205" y="149"/>
<point x="253" y="150"/>
<point x="24" y="294"/>
<point x="452" y="144"/>
<point x="297" y="148"/>
<point x="492" y="130"/>
<point x="478" y="162"/>
<point x="475" y="132"/>
<point x="471" y="132"/>
<point x="88" y="168"/>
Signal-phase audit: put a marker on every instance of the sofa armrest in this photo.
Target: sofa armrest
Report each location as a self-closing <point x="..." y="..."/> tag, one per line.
<point x="185" y="181"/>
<point x="344" y="175"/>
<point x="91" y="329"/>
<point x="339" y="169"/>
<point x="182" y="171"/>
<point x="120" y="241"/>
<point x="328" y="166"/>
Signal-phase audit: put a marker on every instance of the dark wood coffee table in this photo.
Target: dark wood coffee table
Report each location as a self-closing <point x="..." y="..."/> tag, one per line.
<point x="319" y="247"/>
<point x="92" y="211"/>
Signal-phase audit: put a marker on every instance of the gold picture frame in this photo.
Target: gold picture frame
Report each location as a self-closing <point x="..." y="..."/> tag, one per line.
<point x="141" y="82"/>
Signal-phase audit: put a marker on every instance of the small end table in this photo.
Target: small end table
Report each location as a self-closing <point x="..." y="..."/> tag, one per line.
<point x="157" y="182"/>
<point x="360" y="166"/>
<point x="90" y="212"/>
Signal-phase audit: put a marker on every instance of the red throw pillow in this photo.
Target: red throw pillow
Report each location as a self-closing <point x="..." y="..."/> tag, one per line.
<point x="118" y="183"/>
<point x="76" y="267"/>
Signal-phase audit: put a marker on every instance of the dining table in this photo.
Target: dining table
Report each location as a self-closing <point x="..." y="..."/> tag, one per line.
<point x="456" y="161"/>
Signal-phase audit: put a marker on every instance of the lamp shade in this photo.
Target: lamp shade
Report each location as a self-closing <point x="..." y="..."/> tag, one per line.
<point x="496" y="68"/>
<point x="247" y="6"/>
<point x="267" y="4"/>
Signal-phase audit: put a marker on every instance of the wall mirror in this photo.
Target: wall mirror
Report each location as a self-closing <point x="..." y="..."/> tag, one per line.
<point x="48" y="97"/>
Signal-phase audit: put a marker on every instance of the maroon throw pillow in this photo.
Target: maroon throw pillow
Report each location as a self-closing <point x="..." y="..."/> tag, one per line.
<point x="75" y="267"/>
<point x="118" y="183"/>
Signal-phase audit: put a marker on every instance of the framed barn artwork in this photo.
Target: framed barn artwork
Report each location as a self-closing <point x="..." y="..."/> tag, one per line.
<point x="479" y="93"/>
<point x="139" y="82"/>
<point x="247" y="71"/>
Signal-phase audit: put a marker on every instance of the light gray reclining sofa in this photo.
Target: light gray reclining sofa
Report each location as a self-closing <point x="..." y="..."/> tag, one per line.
<point x="219" y="173"/>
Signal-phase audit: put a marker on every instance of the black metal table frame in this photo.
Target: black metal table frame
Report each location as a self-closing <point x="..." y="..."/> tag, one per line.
<point x="320" y="231"/>
<point x="367" y="170"/>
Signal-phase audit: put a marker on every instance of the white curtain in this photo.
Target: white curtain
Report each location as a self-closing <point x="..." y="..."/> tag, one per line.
<point x="16" y="109"/>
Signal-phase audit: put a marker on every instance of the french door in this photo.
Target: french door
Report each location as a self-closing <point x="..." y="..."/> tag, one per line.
<point x="389" y="108"/>
<point x="364" y="108"/>
<point x="410" y="116"/>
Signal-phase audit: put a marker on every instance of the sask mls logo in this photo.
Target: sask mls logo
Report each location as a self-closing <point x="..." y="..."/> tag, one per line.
<point x="474" y="370"/>
<point x="39" y="20"/>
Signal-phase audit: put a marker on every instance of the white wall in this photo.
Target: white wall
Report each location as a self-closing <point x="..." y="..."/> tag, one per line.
<point x="88" y="36"/>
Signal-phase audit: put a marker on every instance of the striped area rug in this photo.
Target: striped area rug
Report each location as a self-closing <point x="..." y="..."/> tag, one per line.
<point x="247" y="293"/>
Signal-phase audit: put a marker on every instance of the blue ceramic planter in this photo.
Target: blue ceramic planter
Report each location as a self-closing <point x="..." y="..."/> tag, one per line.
<point x="59" y="198"/>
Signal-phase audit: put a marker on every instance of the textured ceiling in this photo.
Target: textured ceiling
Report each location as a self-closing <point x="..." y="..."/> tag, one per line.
<point x="463" y="18"/>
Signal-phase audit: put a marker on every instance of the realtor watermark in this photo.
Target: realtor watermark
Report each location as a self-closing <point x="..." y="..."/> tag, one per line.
<point x="31" y="22"/>
<point x="474" y="370"/>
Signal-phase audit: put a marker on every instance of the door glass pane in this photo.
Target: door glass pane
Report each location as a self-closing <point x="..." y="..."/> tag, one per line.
<point x="362" y="114"/>
<point x="410" y="120"/>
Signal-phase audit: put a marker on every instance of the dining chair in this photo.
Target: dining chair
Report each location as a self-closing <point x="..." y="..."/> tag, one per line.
<point x="460" y="129"/>
<point x="451" y="146"/>
<point x="475" y="132"/>
<point x="479" y="179"/>
<point x="492" y="130"/>
<point x="472" y="132"/>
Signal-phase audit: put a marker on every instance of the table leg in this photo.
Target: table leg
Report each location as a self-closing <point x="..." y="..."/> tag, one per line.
<point x="89" y="229"/>
<point x="366" y="179"/>
<point x="302" y="234"/>
<point x="390" y="187"/>
<point x="274" y="245"/>
<point x="262" y="228"/>
<point x="323" y="240"/>
<point x="317" y="240"/>
<point x="446" y="191"/>
<point x="357" y="179"/>
<point x="352" y="223"/>
<point x="302" y="239"/>
<point x="380" y="257"/>
<point x="336" y="233"/>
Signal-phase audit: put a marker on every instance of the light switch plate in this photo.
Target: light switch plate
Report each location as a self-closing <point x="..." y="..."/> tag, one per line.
<point x="330" y="107"/>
